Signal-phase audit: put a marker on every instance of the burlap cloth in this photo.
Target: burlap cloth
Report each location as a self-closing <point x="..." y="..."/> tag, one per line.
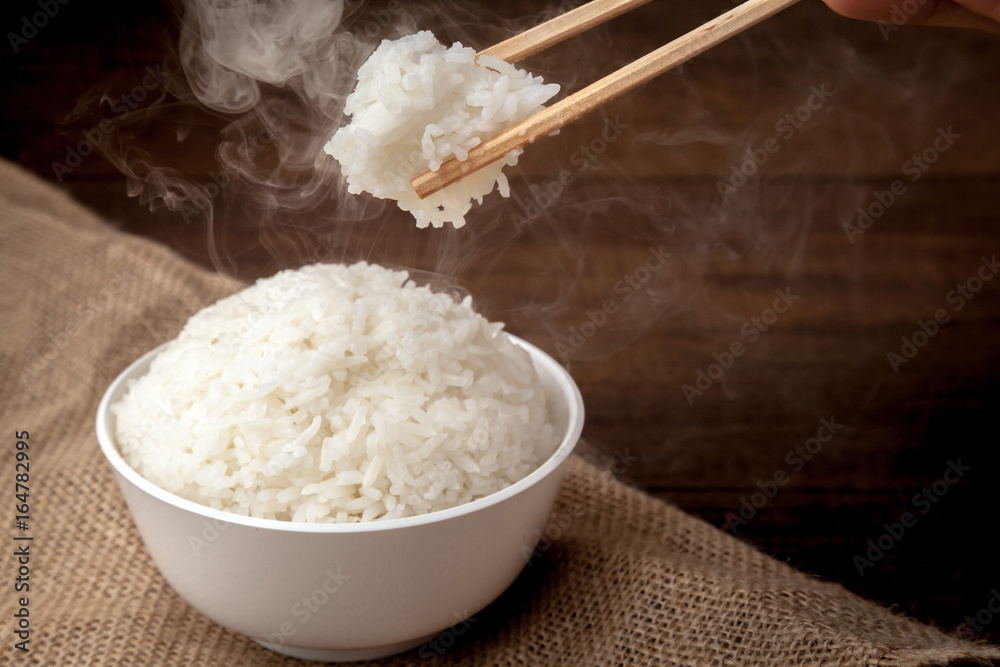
<point x="630" y="581"/>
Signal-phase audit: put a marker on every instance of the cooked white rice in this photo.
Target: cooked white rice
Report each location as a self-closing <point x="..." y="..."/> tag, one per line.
<point x="418" y="104"/>
<point x="336" y="393"/>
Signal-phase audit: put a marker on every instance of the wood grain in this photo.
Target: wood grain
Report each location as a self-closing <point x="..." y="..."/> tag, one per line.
<point x="657" y="183"/>
<point x="555" y="30"/>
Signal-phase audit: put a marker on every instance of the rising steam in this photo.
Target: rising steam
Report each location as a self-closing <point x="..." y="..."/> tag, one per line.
<point x="257" y="88"/>
<point x="228" y="49"/>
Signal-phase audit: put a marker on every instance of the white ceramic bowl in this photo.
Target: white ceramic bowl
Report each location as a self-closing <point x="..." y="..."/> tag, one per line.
<point x="338" y="592"/>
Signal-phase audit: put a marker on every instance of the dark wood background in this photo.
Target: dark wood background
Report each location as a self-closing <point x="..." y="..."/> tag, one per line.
<point x="656" y="184"/>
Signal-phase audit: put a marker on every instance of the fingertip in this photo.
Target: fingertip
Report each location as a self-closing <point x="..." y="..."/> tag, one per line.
<point x="865" y="10"/>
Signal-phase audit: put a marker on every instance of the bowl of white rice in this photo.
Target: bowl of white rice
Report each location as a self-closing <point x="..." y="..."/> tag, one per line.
<point x="339" y="463"/>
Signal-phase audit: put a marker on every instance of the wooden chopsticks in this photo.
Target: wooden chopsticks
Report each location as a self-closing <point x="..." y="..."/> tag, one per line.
<point x="596" y="94"/>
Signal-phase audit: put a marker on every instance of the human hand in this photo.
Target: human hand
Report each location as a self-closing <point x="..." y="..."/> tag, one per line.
<point x="981" y="14"/>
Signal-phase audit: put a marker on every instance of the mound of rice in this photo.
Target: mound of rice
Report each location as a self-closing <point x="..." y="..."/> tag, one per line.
<point x="418" y="104"/>
<point x="336" y="393"/>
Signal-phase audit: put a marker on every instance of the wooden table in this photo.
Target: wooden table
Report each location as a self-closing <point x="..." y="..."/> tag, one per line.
<point x="817" y="379"/>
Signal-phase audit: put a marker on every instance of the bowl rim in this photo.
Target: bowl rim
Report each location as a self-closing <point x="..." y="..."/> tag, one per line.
<point x="568" y="390"/>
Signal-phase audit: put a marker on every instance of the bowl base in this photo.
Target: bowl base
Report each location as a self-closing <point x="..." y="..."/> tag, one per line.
<point x="345" y="655"/>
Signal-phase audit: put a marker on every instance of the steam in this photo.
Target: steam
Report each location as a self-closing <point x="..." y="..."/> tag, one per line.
<point x="256" y="89"/>
<point x="228" y="49"/>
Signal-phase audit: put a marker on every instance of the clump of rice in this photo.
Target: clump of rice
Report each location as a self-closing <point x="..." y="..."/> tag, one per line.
<point x="336" y="393"/>
<point x="418" y="104"/>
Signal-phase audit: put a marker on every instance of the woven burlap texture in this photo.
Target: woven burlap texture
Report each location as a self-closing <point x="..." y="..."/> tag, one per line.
<point x="628" y="580"/>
